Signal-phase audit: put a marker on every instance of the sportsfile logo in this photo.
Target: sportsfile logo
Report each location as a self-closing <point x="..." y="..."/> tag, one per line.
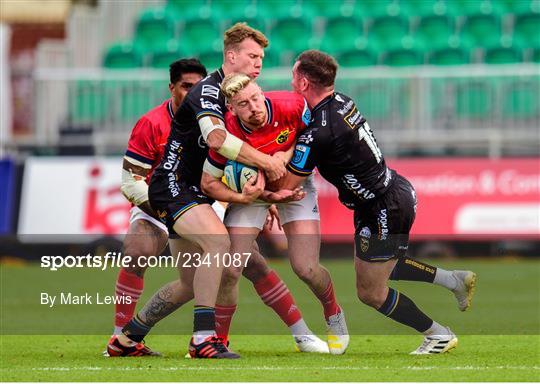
<point x="118" y="260"/>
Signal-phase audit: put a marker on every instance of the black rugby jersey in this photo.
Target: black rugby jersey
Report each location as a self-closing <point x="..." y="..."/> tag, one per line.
<point x="186" y="149"/>
<point x="339" y="142"/>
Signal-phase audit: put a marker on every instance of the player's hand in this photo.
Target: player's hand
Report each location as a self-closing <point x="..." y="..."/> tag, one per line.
<point x="283" y="156"/>
<point x="273" y="215"/>
<point x="284" y="195"/>
<point x="275" y="168"/>
<point x="253" y="188"/>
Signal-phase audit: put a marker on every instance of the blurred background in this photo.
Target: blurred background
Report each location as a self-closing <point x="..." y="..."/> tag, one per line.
<point x="451" y="89"/>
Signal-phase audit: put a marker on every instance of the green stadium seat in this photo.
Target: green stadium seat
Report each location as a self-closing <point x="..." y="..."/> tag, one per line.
<point x="123" y="55"/>
<point x="88" y="102"/>
<point x="474" y="99"/>
<point x="341" y="34"/>
<point x="291" y="34"/>
<point x="435" y="29"/>
<point x="357" y="58"/>
<point x="200" y="33"/>
<point x="189" y="9"/>
<point x="389" y="30"/>
<point x="373" y="9"/>
<point x="478" y="7"/>
<point x="503" y="55"/>
<point x="211" y="59"/>
<point x="227" y="9"/>
<point x="535" y="56"/>
<point x="521" y="99"/>
<point x="154" y="25"/>
<point x="482" y="29"/>
<point x="136" y="98"/>
<point x="527" y="27"/>
<point x="449" y="56"/>
<point x="167" y="53"/>
<point x="400" y="57"/>
<point x="423" y="8"/>
<point x="405" y="52"/>
<point x="283" y="9"/>
<point x="521" y="6"/>
<point x="338" y="8"/>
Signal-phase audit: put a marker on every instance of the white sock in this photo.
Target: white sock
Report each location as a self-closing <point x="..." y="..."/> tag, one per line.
<point x="436" y="329"/>
<point x="445" y="279"/>
<point x="117" y="330"/>
<point x="300" y="328"/>
<point x="200" y="336"/>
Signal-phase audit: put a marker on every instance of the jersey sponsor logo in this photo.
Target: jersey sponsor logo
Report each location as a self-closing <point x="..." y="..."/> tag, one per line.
<point x="301" y="154"/>
<point x="172" y="156"/>
<point x="305" y="138"/>
<point x="346" y="108"/>
<point x="210" y="90"/>
<point x="339" y="98"/>
<point x="353" y="118"/>
<point x="201" y="142"/>
<point x="365" y="235"/>
<point x="352" y="183"/>
<point x="205" y="104"/>
<point x="323" y="122"/>
<point x="283" y="136"/>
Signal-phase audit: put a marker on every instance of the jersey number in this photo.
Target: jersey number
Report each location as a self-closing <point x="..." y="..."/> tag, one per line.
<point x="364" y="133"/>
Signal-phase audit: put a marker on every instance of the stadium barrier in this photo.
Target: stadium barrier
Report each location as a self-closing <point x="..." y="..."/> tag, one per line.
<point x="459" y="199"/>
<point x="464" y="110"/>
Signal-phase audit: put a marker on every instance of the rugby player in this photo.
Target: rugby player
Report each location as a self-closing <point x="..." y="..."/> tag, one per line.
<point x="176" y="197"/>
<point x="146" y="235"/>
<point x="340" y="143"/>
<point x="271" y="122"/>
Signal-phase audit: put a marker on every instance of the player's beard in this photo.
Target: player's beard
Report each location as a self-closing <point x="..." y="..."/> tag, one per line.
<point x="257" y="119"/>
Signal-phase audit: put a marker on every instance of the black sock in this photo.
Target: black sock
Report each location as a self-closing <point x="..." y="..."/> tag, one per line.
<point x="204" y="318"/>
<point x="136" y="329"/>
<point x="412" y="270"/>
<point x="400" y="308"/>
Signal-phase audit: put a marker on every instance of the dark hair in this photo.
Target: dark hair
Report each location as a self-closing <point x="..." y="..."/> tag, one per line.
<point x="179" y="67"/>
<point x="318" y="67"/>
<point x="240" y="32"/>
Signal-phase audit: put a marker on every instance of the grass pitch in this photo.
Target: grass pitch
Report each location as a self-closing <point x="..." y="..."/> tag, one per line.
<point x="498" y="338"/>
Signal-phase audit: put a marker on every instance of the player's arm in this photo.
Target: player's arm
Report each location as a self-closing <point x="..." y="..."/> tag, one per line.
<point x="230" y="146"/>
<point x="212" y="185"/>
<point x="134" y="186"/>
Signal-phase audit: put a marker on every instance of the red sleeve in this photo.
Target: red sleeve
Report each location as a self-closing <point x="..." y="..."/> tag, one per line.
<point x="141" y="145"/>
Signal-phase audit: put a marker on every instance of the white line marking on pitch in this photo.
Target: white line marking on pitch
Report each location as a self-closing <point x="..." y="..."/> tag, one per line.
<point x="269" y="368"/>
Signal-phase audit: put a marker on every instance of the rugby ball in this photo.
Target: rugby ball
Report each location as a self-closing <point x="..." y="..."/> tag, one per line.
<point x="237" y="174"/>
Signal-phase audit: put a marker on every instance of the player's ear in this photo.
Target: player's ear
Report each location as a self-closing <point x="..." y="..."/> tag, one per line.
<point x="231" y="109"/>
<point x="230" y="56"/>
<point x="171" y="87"/>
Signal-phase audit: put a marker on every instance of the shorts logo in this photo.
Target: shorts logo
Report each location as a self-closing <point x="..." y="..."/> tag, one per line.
<point x="365" y="235"/>
<point x="282" y="137"/>
<point x="210" y="90"/>
<point x="383" y="224"/>
<point x="161" y="215"/>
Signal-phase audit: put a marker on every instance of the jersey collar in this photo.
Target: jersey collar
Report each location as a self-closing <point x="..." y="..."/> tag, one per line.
<point x="323" y="102"/>
<point x="169" y="108"/>
<point x="220" y="74"/>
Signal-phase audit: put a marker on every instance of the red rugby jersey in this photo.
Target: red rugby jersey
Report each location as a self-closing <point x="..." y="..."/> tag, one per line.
<point x="288" y="115"/>
<point x="149" y="136"/>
